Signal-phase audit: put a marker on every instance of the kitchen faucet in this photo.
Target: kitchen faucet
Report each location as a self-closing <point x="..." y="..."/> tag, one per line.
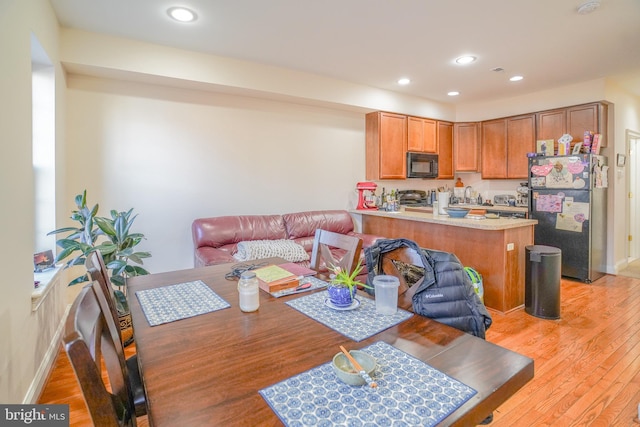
<point x="467" y="194"/>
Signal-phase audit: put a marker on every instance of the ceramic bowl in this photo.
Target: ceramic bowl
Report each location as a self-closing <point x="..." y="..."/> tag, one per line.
<point x="457" y="212"/>
<point x="347" y="373"/>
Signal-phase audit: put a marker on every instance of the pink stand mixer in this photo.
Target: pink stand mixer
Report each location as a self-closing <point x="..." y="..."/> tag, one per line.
<point x="366" y="203"/>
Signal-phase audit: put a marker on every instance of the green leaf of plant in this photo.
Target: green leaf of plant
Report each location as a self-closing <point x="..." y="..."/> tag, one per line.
<point x="79" y="279"/>
<point x="62" y="230"/>
<point x="118" y="280"/>
<point x="81" y="199"/>
<point x="106" y="225"/>
<point x="139" y="271"/>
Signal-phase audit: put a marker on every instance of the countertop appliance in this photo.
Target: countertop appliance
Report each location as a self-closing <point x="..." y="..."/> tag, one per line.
<point x="568" y="197"/>
<point x="421" y="165"/>
<point x="413" y="198"/>
<point x="504" y="200"/>
<point x="522" y="196"/>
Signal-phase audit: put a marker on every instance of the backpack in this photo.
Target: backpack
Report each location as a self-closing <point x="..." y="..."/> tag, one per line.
<point x="476" y="281"/>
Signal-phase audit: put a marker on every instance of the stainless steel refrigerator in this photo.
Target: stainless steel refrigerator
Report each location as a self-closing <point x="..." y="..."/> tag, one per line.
<point x="568" y="197"/>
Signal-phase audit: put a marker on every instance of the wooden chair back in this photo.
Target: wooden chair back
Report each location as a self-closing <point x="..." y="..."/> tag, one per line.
<point x="102" y="287"/>
<point x="92" y="341"/>
<point x="400" y="255"/>
<point x="334" y="249"/>
<point x="98" y="272"/>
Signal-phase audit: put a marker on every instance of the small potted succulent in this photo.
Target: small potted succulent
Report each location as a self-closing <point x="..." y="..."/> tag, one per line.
<point x="342" y="285"/>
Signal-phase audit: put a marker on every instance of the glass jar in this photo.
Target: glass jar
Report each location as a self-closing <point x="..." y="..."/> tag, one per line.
<point x="248" y="291"/>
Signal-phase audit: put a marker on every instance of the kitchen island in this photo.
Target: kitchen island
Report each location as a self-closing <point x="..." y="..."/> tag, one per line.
<point x="494" y="247"/>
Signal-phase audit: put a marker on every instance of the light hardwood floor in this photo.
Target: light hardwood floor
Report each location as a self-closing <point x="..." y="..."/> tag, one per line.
<point x="587" y="364"/>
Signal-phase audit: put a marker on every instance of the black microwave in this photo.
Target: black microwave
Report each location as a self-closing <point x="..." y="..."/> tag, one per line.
<point x="422" y="165"/>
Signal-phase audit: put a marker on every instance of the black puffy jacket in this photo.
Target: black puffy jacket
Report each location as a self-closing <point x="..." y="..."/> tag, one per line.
<point x="446" y="294"/>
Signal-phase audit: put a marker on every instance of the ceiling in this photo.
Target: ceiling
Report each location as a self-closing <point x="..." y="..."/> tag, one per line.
<point x="375" y="42"/>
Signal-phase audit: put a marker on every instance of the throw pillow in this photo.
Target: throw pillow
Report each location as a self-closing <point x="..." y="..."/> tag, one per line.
<point x="257" y="249"/>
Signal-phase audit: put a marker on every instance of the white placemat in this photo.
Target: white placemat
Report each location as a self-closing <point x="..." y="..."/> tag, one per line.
<point x="174" y="302"/>
<point x="409" y="393"/>
<point x="358" y="324"/>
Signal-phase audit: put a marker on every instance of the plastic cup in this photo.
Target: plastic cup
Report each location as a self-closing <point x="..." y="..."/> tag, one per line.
<point x="386" y="291"/>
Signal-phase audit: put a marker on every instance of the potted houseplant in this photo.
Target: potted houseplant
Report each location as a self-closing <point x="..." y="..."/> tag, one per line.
<point x="342" y="285"/>
<point x="111" y="236"/>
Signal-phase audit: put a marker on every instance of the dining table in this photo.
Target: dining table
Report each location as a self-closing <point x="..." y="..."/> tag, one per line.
<point x="217" y="365"/>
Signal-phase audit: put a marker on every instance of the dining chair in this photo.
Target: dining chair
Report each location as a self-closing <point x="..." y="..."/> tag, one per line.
<point x="97" y="270"/>
<point x="334" y="249"/>
<point x="405" y="264"/>
<point x="92" y="342"/>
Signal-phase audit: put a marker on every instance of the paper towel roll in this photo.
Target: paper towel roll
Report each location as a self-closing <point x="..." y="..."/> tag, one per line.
<point x="443" y="201"/>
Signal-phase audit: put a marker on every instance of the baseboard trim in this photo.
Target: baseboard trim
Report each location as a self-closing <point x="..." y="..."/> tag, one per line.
<point x="40" y="379"/>
<point x="620" y="265"/>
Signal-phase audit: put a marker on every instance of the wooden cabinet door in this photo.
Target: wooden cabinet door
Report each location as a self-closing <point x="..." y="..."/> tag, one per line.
<point x="422" y="135"/>
<point x="466" y="145"/>
<point x="520" y="141"/>
<point x="494" y="149"/>
<point x="386" y="146"/>
<point x="445" y="150"/>
<point x="582" y="118"/>
<point x="551" y="124"/>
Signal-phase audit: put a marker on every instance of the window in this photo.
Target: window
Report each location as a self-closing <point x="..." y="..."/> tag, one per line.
<point x="43" y="145"/>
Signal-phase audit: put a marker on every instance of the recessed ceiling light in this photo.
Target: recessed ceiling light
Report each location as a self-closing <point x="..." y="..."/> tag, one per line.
<point x="453" y="93"/>
<point x="516" y="78"/>
<point x="182" y="14"/>
<point x="464" y="60"/>
<point x="404" y="81"/>
<point x="588" y="7"/>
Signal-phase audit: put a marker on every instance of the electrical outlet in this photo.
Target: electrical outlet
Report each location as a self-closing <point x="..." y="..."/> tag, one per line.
<point x="510" y="246"/>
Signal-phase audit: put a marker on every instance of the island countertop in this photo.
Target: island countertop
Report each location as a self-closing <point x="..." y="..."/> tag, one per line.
<point x="427" y="216"/>
<point x="494" y="247"/>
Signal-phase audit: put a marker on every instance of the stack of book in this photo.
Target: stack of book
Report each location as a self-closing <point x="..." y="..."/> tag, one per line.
<point x="274" y="278"/>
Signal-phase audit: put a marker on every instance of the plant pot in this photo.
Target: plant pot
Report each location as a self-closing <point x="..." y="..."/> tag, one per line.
<point x="126" y="328"/>
<point x="340" y="296"/>
<point x="124" y="317"/>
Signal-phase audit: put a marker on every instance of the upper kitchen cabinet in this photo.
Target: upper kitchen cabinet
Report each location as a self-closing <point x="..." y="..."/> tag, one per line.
<point x="466" y="144"/>
<point x="422" y="135"/>
<point x="445" y="150"/>
<point x="521" y="139"/>
<point x="386" y="146"/>
<point x="505" y="144"/>
<point x="494" y="148"/>
<point x="575" y="120"/>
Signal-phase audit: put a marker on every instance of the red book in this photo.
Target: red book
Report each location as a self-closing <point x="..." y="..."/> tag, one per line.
<point x="298" y="269"/>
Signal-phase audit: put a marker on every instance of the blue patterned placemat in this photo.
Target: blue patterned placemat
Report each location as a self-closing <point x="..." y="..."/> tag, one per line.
<point x="315" y="284"/>
<point x="409" y="393"/>
<point x="174" y="302"/>
<point x="358" y="324"/>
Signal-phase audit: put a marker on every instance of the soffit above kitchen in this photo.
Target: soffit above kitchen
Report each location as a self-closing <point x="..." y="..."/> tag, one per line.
<point x="376" y="42"/>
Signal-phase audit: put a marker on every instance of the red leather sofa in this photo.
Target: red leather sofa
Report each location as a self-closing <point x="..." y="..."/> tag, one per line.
<point x="216" y="239"/>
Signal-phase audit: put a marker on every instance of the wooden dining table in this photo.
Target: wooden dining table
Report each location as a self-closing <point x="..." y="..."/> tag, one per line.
<point x="207" y="370"/>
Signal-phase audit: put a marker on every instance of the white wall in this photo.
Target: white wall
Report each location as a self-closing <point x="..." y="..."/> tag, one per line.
<point x="177" y="154"/>
<point x="26" y="337"/>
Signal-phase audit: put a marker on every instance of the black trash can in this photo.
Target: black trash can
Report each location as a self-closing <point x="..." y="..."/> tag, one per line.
<point x="542" y="281"/>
